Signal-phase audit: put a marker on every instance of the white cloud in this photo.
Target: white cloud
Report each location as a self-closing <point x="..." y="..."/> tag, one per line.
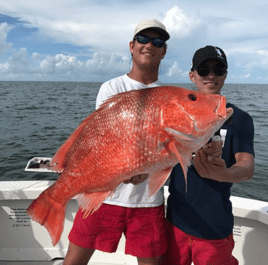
<point x="101" y="66"/>
<point x="4" y="29"/>
<point x="18" y="62"/>
<point x="4" y="68"/>
<point x="178" y="23"/>
<point x="247" y="75"/>
<point x="103" y="30"/>
<point x="18" y="66"/>
<point x="78" y="23"/>
<point x="174" y="70"/>
<point x="36" y="56"/>
<point x="249" y="60"/>
<point x="263" y="52"/>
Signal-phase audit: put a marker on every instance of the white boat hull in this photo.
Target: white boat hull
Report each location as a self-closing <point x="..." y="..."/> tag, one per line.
<point x="23" y="240"/>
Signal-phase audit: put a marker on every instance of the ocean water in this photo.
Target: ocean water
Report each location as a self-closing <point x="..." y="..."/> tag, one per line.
<point x="37" y="117"/>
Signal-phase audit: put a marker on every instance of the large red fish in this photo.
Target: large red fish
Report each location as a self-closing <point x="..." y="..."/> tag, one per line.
<point x="144" y="131"/>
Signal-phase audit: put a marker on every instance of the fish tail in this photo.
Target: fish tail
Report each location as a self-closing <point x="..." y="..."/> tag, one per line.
<point x="50" y="214"/>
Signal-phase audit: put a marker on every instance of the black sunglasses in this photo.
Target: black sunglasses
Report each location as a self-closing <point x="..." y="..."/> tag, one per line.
<point x="205" y="70"/>
<point x="157" y="42"/>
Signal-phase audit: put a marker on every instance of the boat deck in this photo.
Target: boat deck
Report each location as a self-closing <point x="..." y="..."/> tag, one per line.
<point x="26" y="242"/>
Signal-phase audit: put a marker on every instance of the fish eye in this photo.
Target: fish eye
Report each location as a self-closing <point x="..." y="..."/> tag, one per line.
<point x="192" y="97"/>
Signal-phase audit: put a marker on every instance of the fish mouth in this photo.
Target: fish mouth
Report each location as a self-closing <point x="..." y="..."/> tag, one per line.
<point x="229" y="112"/>
<point x="221" y="110"/>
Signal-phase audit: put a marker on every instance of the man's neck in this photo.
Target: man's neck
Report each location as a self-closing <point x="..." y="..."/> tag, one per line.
<point x="144" y="77"/>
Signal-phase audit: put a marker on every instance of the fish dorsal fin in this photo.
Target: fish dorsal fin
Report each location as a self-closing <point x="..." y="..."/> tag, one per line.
<point x="184" y="161"/>
<point x="58" y="160"/>
<point x="89" y="203"/>
<point x="156" y="181"/>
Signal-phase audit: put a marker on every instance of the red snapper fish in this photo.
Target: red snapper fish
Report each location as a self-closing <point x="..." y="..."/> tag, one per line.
<point x="145" y="131"/>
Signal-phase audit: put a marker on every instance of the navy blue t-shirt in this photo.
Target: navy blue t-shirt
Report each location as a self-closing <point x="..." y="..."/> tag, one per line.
<point x="205" y="210"/>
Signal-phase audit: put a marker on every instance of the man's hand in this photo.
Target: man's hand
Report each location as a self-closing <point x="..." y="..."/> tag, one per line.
<point x="209" y="166"/>
<point x="208" y="163"/>
<point x="213" y="149"/>
<point x="137" y="179"/>
<point x="215" y="168"/>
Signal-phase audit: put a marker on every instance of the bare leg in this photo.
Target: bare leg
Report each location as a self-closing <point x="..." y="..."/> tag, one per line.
<point x="77" y="255"/>
<point x="149" y="261"/>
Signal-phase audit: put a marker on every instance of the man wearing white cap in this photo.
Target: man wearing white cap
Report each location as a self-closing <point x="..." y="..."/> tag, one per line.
<point x="130" y="210"/>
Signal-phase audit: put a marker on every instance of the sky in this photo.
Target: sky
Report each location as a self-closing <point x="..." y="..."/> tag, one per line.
<point x="88" y="41"/>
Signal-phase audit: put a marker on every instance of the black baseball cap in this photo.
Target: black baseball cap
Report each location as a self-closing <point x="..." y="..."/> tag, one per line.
<point x="208" y="52"/>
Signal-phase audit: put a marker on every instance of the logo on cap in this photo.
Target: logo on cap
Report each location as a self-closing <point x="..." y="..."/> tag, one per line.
<point x="219" y="52"/>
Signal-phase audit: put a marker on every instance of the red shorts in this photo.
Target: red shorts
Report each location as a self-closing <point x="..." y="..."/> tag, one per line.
<point x="144" y="229"/>
<point x="185" y="249"/>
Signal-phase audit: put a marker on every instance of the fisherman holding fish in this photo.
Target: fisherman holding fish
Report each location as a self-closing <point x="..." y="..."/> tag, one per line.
<point x="201" y="219"/>
<point x="130" y="210"/>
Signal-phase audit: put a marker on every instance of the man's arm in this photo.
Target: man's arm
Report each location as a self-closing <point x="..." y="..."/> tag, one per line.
<point x="215" y="168"/>
<point x="137" y="179"/>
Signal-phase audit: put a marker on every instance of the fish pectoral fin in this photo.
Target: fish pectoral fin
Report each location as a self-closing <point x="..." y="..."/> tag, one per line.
<point x="90" y="202"/>
<point x="156" y="181"/>
<point x="184" y="161"/>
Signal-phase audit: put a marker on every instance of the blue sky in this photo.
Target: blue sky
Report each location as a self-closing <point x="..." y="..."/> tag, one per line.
<point x="85" y="40"/>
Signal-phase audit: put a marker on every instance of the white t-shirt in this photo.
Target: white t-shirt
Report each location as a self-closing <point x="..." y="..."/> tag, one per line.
<point x="129" y="195"/>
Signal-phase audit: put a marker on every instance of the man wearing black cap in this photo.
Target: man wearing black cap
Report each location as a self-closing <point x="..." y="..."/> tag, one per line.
<point x="130" y="211"/>
<point x="203" y="61"/>
<point x="201" y="219"/>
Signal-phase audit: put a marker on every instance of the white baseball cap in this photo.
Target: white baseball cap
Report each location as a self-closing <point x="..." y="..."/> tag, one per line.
<point x="154" y="24"/>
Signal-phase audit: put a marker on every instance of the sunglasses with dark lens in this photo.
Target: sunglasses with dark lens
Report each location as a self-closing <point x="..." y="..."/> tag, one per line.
<point x="205" y="70"/>
<point x="157" y="42"/>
